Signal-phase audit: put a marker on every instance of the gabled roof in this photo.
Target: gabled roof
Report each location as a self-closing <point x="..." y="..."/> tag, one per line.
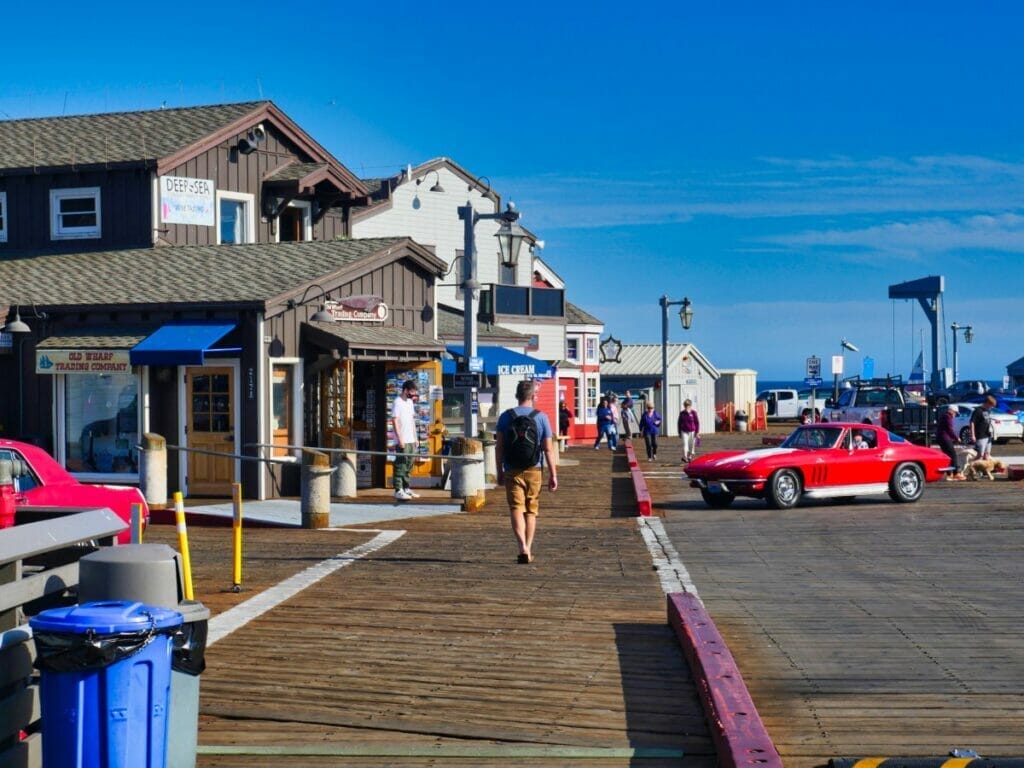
<point x="645" y="360"/>
<point x="380" y="189"/>
<point x="164" y="138"/>
<point x="577" y="316"/>
<point x="254" y="274"/>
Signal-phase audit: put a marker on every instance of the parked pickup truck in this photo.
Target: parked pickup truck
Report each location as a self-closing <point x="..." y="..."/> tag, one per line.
<point x="790" y="403"/>
<point x="865" y="401"/>
<point x="913" y="421"/>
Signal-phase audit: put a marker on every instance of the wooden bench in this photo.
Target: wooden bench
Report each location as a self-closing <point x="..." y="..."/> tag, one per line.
<point x="20" y="584"/>
<point x="563" y="443"/>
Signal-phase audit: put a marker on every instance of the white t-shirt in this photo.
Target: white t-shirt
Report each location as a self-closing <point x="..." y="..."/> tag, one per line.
<point x="403" y="412"/>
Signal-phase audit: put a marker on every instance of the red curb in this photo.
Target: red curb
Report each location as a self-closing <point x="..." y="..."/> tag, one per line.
<point x="741" y="739"/>
<point x="643" y="495"/>
<point x="631" y="455"/>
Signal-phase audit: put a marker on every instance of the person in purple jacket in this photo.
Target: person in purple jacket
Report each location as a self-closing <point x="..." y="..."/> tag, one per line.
<point x="650" y="425"/>
<point x="945" y="436"/>
<point x="689" y="430"/>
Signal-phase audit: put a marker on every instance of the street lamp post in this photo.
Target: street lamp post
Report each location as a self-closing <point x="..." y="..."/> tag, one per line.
<point x="510" y="239"/>
<point x="843" y="346"/>
<point x="968" y="337"/>
<point x="18" y="328"/>
<point x="686" y="318"/>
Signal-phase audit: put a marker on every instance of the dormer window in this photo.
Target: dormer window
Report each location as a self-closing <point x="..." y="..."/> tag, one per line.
<point x="75" y="213"/>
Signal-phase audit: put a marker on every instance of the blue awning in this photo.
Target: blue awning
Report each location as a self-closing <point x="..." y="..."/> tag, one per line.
<point x="499" y="361"/>
<point x="180" y="344"/>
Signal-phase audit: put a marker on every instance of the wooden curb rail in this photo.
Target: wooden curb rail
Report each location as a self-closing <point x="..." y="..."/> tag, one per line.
<point x="643" y="494"/>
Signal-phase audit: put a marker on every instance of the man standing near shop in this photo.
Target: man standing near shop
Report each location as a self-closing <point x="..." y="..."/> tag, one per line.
<point x="523" y="445"/>
<point x="403" y="421"/>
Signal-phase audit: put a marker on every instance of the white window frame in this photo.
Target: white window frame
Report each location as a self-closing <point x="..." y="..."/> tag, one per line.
<point x="591" y="349"/>
<point x="59" y="232"/>
<point x="295" y="401"/>
<point x="307" y="220"/>
<point x="249" y="201"/>
<point x="568" y="351"/>
<point x="591" y="396"/>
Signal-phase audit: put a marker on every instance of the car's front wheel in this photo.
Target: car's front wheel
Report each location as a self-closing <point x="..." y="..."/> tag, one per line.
<point x="907" y="483"/>
<point x="784" y="489"/>
<point x="965" y="435"/>
<point x="719" y="500"/>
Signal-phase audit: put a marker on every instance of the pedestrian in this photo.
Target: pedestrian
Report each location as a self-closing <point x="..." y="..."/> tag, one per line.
<point x="613" y="403"/>
<point x="650" y="426"/>
<point x="564" y="419"/>
<point x="605" y="425"/>
<point x="522" y="447"/>
<point x="689" y="430"/>
<point x="628" y="417"/>
<point x="403" y="421"/>
<point x="981" y="427"/>
<point x="945" y="436"/>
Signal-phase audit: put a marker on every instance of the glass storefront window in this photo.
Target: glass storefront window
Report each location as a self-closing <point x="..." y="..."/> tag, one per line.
<point x="101" y="423"/>
<point x="281" y="408"/>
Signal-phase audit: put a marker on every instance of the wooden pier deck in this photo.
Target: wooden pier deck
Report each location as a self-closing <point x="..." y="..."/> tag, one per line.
<point x="440" y="649"/>
<point x="871" y="628"/>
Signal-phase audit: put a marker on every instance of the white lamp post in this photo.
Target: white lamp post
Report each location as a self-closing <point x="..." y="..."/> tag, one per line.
<point x="510" y="239"/>
<point x="968" y="337"/>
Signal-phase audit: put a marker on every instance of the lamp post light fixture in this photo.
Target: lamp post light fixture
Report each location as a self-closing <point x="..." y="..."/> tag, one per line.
<point x="322" y="315"/>
<point x="510" y="240"/>
<point x="686" y="320"/>
<point x="18" y="328"/>
<point x="968" y="338"/>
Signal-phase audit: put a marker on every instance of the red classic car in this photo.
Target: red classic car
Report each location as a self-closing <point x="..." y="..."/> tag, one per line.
<point x="42" y="482"/>
<point x="819" y="461"/>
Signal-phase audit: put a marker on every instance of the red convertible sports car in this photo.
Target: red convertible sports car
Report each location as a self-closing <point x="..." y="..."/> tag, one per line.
<point x="42" y="482"/>
<point x="820" y="461"/>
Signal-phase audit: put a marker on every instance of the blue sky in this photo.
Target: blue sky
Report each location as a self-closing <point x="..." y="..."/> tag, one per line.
<point x="781" y="164"/>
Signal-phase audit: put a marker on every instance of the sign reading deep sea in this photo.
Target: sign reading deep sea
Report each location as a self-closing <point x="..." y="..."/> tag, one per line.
<point x="187" y="201"/>
<point x="83" y="361"/>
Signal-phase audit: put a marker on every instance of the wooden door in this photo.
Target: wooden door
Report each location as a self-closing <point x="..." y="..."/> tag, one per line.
<point x="210" y="427"/>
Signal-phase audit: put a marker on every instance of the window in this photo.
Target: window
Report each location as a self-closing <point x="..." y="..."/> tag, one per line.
<point x="3" y="217"/>
<point x="591" y="397"/>
<point x="572" y="349"/>
<point x="235" y="223"/>
<point x="281" y="408"/>
<point x="101" y="423"/>
<point x="295" y="222"/>
<point x="507" y="274"/>
<point x="591" y="349"/>
<point x="74" y="213"/>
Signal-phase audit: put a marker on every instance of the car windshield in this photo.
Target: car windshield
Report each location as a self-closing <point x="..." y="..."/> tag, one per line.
<point x="814" y="437"/>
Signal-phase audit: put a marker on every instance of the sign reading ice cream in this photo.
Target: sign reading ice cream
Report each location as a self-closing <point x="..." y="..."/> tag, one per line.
<point x="57" y="361"/>
<point x="186" y="201"/>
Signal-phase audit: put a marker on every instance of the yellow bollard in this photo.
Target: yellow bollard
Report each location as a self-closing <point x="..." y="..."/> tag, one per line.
<point x="236" y="524"/>
<point x="186" y="562"/>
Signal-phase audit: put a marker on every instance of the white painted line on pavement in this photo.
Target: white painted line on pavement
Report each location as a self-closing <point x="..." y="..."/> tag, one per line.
<point x="225" y="623"/>
<point x="673" y="574"/>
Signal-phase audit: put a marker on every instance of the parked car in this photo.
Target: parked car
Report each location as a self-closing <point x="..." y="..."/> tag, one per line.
<point x="818" y="461"/>
<point x="42" y="482"/>
<point x="959" y="392"/>
<point x="1005" y="426"/>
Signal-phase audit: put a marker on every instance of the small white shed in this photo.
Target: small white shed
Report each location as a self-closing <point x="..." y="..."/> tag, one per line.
<point x="691" y="376"/>
<point x="737" y="386"/>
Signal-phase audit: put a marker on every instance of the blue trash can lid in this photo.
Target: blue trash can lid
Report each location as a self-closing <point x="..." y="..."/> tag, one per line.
<point x="105" y="617"/>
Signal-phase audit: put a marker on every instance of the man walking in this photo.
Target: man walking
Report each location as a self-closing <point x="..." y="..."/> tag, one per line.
<point x="981" y="427"/>
<point x="523" y="445"/>
<point x="403" y="418"/>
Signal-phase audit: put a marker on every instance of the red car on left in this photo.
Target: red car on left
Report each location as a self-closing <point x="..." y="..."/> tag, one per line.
<point x="45" y="483"/>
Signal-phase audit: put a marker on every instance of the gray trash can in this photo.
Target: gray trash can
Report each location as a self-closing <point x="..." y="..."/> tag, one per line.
<point x="152" y="573"/>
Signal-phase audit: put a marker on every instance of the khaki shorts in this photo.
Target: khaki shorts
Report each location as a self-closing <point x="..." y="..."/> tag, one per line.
<point x="522" y="489"/>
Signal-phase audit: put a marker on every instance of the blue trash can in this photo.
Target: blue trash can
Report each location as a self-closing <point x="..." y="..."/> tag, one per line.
<point x="105" y="685"/>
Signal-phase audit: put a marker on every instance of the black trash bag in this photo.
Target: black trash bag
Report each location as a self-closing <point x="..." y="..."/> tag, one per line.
<point x="67" y="652"/>
<point x="189" y="654"/>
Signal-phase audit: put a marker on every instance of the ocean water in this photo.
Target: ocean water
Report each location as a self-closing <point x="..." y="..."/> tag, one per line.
<point x="827" y="384"/>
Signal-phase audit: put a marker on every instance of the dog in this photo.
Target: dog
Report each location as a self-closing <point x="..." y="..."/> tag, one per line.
<point x="983" y="467"/>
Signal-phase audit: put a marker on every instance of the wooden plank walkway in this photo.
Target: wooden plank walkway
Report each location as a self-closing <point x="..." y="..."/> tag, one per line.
<point x="870" y="628"/>
<point x="439" y="648"/>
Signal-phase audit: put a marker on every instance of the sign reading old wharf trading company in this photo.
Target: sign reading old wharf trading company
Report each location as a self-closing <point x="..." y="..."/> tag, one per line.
<point x="358" y="308"/>
<point x="83" y="361"/>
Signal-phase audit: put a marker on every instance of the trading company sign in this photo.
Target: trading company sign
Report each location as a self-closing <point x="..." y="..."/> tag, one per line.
<point x="56" y="361"/>
<point x="358" y="308"/>
<point x="187" y="201"/>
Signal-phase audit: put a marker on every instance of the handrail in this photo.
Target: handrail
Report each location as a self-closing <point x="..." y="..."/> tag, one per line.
<point x="361" y="452"/>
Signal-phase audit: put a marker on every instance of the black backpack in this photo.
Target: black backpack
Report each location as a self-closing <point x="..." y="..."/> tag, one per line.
<point x="521" y="441"/>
